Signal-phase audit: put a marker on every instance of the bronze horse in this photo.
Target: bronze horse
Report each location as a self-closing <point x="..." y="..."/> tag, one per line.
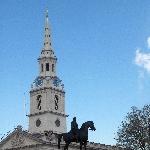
<point x="81" y="135"/>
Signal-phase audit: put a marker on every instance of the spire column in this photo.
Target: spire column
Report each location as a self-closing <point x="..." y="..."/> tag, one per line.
<point x="47" y="59"/>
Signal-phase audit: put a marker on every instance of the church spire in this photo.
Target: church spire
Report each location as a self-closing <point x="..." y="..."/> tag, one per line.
<point x="47" y="34"/>
<point x="47" y="96"/>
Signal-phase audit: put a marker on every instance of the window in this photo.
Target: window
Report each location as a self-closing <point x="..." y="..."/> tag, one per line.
<point x="47" y="66"/>
<point x="52" y="67"/>
<point x="41" y="67"/>
<point x="38" y="122"/>
<point x="39" y="97"/>
<point x="56" y="102"/>
<point x="57" y="123"/>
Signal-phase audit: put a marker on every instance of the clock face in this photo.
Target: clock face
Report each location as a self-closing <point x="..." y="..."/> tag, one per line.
<point x="38" y="81"/>
<point x="56" y="82"/>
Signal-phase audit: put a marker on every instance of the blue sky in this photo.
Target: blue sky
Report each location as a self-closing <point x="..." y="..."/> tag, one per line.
<point x="103" y="59"/>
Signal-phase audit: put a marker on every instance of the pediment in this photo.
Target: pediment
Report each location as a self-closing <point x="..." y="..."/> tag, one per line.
<point x="19" y="139"/>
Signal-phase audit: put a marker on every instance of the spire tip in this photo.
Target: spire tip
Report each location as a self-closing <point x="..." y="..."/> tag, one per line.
<point x="46" y="13"/>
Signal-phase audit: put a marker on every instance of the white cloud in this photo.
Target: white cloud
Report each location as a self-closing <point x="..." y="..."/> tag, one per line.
<point x="143" y="59"/>
<point x="148" y="42"/>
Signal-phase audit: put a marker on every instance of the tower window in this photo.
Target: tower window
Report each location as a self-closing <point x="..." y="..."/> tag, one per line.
<point x="52" y="67"/>
<point x="56" y="102"/>
<point x="39" y="97"/>
<point x="57" y="122"/>
<point x="41" y="67"/>
<point x="47" y="66"/>
<point x="38" y="122"/>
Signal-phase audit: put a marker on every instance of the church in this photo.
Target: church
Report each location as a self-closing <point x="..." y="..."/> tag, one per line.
<point x="47" y="116"/>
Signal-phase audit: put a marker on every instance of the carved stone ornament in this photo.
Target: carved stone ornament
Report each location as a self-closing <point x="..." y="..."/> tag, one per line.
<point x="57" y="122"/>
<point x="49" y="135"/>
<point x="17" y="140"/>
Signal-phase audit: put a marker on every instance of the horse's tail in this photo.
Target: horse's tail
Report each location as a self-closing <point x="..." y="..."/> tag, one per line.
<point x="59" y="140"/>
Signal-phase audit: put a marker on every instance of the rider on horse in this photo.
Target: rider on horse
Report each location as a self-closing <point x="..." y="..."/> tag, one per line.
<point x="74" y="129"/>
<point x="76" y="135"/>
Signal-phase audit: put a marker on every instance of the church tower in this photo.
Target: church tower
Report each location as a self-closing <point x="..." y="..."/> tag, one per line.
<point x="47" y="95"/>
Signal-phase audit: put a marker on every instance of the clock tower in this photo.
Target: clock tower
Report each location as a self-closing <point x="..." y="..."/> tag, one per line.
<point x="47" y="95"/>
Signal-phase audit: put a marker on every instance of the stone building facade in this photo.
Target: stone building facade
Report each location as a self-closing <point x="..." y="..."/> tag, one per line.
<point x="47" y="116"/>
<point x="24" y="140"/>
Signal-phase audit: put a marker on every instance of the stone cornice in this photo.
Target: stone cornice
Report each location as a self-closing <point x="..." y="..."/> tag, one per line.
<point x="28" y="146"/>
<point x="44" y="88"/>
<point x="44" y="112"/>
<point x="94" y="146"/>
<point x="47" y="57"/>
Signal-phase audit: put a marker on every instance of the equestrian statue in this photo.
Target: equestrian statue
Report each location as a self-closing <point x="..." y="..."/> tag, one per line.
<point x="76" y="135"/>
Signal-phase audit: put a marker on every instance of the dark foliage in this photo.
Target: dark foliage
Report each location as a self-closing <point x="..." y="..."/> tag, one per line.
<point x="134" y="132"/>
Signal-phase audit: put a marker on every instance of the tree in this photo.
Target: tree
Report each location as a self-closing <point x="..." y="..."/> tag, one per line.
<point x="134" y="132"/>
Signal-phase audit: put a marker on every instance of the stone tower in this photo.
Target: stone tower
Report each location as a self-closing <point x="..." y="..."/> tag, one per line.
<point x="47" y="95"/>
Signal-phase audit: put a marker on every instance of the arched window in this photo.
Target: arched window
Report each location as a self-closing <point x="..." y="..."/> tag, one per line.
<point x="52" y="67"/>
<point x="39" y="101"/>
<point x="56" y="102"/>
<point x="47" y="66"/>
<point x="41" y="67"/>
